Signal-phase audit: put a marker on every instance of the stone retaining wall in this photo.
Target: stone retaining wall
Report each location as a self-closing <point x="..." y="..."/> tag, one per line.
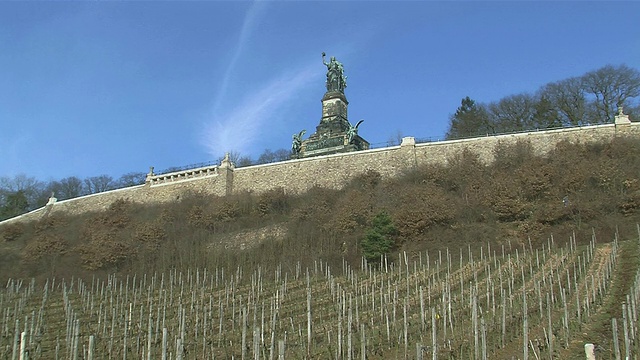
<point x="330" y="171"/>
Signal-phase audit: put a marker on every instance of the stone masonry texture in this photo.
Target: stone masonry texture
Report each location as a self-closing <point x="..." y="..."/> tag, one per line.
<point x="331" y="171"/>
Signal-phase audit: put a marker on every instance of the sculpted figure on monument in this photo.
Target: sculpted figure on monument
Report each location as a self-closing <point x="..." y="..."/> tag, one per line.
<point x="336" y="81"/>
<point x="353" y="131"/>
<point x="297" y="142"/>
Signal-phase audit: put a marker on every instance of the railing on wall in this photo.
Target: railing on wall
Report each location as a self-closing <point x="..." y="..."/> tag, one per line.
<point x="188" y="167"/>
<point x="183" y="175"/>
<point x="423" y="140"/>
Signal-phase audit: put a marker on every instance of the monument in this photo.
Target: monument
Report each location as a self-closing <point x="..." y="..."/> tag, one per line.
<point x="334" y="134"/>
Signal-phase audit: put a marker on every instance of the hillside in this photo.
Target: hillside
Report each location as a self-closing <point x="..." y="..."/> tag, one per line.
<point x="475" y="245"/>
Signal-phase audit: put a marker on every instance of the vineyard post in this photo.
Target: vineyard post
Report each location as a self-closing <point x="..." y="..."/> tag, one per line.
<point x="474" y="320"/>
<point x="565" y="321"/>
<point x="484" y="338"/>
<point x="405" y="327"/>
<point x="256" y="343"/>
<point x="550" y="336"/>
<point x="281" y="349"/>
<point x="91" y="346"/>
<point x="349" y="331"/>
<point x="244" y="333"/>
<point x="179" y="349"/>
<point x="614" y="329"/>
<point x="504" y="316"/>
<point x="525" y="325"/>
<point x="149" y="334"/>
<point x="434" y="339"/>
<point x="164" y="343"/>
<point x="589" y="351"/>
<point x="625" y="325"/>
<point x="363" y="343"/>
<point x="308" y="317"/>
<point x="16" y="338"/>
<point x="23" y="338"/>
<point x="422" y="320"/>
<point x="76" y="335"/>
<point x="339" y="347"/>
<point x="632" y="309"/>
<point x="124" y="345"/>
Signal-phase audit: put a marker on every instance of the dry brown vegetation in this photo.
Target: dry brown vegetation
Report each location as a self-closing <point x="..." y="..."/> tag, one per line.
<point x="576" y="193"/>
<point x="520" y="196"/>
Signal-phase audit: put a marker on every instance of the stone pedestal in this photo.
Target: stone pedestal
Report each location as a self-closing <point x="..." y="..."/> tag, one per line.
<point x="332" y="134"/>
<point x="622" y="118"/>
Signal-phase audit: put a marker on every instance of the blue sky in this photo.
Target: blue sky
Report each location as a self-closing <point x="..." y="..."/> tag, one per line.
<point x="90" y="88"/>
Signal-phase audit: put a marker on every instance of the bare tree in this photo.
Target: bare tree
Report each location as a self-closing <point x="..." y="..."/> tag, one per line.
<point x="282" y="154"/>
<point x="30" y="188"/>
<point x="610" y="87"/>
<point x="513" y="113"/>
<point x="67" y="188"/>
<point x="269" y="156"/>
<point x="96" y="184"/>
<point x="545" y="115"/>
<point x="568" y="98"/>
<point x="244" y="161"/>
<point x="131" y="179"/>
<point x="266" y="157"/>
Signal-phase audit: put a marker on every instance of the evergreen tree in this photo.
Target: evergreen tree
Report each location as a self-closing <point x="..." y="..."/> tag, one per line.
<point x="469" y="120"/>
<point x="15" y="204"/>
<point x="379" y="238"/>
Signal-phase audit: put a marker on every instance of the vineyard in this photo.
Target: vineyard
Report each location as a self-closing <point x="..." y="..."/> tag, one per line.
<point x="478" y="302"/>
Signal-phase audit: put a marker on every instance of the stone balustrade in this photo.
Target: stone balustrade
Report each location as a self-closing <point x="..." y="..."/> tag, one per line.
<point x="177" y="176"/>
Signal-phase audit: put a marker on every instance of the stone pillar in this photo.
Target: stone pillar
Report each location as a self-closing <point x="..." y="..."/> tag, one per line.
<point x="622" y="118"/>
<point x="589" y="351"/>
<point x="52" y="200"/>
<point x="147" y="180"/>
<point x="226" y="170"/>
<point x="408" y="149"/>
<point x="408" y="141"/>
<point x="334" y="114"/>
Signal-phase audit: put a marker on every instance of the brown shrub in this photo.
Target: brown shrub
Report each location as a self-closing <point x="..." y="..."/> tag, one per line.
<point x="150" y="233"/>
<point x="552" y="213"/>
<point x="630" y="204"/>
<point x="534" y="179"/>
<point x="166" y="217"/>
<point x="463" y="173"/>
<point x="116" y="216"/>
<point x="420" y="207"/>
<point x="367" y="180"/>
<point x="12" y="231"/>
<point x="43" y="245"/>
<point x="350" y="212"/>
<point x="512" y="155"/>
<point x="226" y="210"/>
<point x="274" y="201"/>
<point x="196" y="217"/>
<point x="50" y="222"/>
<point x="104" y="251"/>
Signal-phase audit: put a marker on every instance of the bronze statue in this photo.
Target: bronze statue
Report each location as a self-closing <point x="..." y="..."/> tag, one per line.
<point x="353" y="131"/>
<point x="297" y="142"/>
<point x="336" y="81"/>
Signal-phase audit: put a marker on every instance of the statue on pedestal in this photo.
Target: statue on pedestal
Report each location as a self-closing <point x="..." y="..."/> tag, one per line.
<point x="336" y="81"/>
